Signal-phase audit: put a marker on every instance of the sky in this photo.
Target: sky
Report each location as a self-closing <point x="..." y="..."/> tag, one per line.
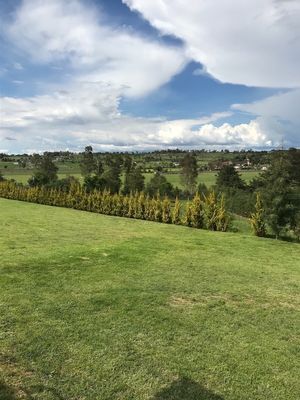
<point x="135" y="75"/>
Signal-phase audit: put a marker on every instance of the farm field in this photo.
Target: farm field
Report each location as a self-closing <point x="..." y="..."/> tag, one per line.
<point x="108" y="308"/>
<point x="208" y="178"/>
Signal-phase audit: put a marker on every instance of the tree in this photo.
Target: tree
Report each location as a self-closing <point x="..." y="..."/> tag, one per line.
<point x="293" y="156"/>
<point x="159" y="183"/>
<point x="46" y="171"/>
<point x="223" y="218"/>
<point x="176" y="213"/>
<point x="98" y="167"/>
<point x="127" y="163"/>
<point x="189" y="171"/>
<point x="112" y="172"/>
<point x="211" y="211"/>
<point x="187" y="220"/>
<point x="197" y="213"/>
<point x="166" y="211"/>
<point x="202" y="189"/>
<point x="229" y="178"/>
<point x="278" y="189"/>
<point x="94" y="182"/>
<point x="257" y="218"/>
<point x="134" y="180"/>
<point x="65" y="184"/>
<point x="157" y="208"/>
<point x="295" y="225"/>
<point x="87" y="164"/>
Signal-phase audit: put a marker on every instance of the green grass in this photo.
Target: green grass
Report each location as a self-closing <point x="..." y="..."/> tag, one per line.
<point x="208" y="178"/>
<point x="97" y="307"/>
<point x="23" y="177"/>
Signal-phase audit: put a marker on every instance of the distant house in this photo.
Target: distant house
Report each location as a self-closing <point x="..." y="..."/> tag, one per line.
<point x="219" y="164"/>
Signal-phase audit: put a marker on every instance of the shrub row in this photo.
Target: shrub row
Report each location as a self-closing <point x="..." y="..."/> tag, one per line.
<point x="208" y="212"/>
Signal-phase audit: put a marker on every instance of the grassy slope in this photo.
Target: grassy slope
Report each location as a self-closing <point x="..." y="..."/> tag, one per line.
<point x="98" y="307"/>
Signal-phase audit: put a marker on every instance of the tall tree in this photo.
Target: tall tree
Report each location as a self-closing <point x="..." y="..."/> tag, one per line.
<point x="293" y="156"/>
<point x="134" y="180"/>
<point x="87" y="164"/>
<point x="258" y="219"/>
<point x="279" y="194"/>
<point x="112" y="172"/>
<point x="127" y="163"/>
<point x="229" y="178"/>
<point x="189" y="171"/>
<point x="159" y="184"/>
<point x="46" y="171"/>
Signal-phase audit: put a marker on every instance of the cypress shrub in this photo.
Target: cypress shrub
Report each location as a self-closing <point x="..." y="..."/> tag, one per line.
<point x="176" y="213"/>
<point x="166" y="211"/>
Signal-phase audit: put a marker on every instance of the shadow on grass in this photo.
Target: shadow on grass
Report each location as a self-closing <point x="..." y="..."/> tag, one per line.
<point x="6" y="393"/>
<point x="186" y="389"/>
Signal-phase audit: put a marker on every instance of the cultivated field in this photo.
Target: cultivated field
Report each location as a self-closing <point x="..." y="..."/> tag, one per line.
<point x="97" y="307"/>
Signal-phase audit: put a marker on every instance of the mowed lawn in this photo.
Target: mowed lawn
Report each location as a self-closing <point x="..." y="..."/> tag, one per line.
<point x="98" y="307"/>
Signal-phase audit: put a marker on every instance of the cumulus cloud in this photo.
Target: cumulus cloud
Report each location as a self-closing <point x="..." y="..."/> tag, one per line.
<point x="70" y="32"/>
<point x="278" y="115"/>
<point x="71" y="120"/>
<point x="106" y="63"/>
<point x="254" y="43"/>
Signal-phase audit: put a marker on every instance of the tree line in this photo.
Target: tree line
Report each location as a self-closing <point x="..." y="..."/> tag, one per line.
<point x="271" y="201"/>
<point x="207" y="212"/>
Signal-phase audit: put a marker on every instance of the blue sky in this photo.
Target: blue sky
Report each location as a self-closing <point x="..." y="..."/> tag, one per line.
<point x="140" y="75"/>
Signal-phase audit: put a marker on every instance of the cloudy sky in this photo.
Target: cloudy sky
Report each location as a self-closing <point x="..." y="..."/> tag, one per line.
<point x="141" y="74"/>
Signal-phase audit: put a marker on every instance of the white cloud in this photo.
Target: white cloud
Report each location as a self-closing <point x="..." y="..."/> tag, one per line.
<point x="89" y="114"/>
<point x="254" y="43"/>
<point x="278" y="115"/>
<point x="70" y="32"/>
<point x="106" y="63"/>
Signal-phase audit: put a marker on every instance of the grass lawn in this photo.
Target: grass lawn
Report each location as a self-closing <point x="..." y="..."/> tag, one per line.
<point x="98" y="307"/>
<point x="208" y="178"/>
<point x="23" y="177"/>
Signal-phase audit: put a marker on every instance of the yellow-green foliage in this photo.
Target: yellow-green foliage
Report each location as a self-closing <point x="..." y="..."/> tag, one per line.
<point x="166" y="211"/>
<point x="187" y="219"/>
<point x="257" y="218"/>
<point x="223" y="218"/>
<point x="215" y="213"/>
<point x="211" y="211"/>
<point x="197" y="213"/>
<point x="158" y="209"/>
<point x="176" y="213"/>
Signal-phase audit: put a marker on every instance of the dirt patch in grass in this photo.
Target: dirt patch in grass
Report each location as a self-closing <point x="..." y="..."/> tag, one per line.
<point x="12" y="377"/>
<point x="233" y="301"/>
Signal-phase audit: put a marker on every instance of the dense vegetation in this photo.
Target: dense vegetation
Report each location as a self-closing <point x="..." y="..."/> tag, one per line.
<point x="208" y="212"/>
<point x="277" y="185"/>
<point x="105" y="308"/>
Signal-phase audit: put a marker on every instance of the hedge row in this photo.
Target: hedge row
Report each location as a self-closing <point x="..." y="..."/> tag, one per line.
<point x="208" y="212"/>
